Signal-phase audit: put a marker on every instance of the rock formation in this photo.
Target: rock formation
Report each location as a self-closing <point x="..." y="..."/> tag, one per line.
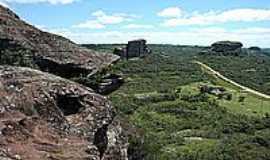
<point x="46" y="51"/>
<point x="226" y="48"/>
<point x="135" y="48"/>
<point x="45" y="117"/>
<point x="255" y="48"/>
<point x="24" y="45"/>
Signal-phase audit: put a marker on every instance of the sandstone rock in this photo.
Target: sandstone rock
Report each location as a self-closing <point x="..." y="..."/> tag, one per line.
<point x="109" y="83"/>
<point x="226" y="46"/>
<point x="45" y="117"/>
<point x="46" y="51"/>
<point x="135" y="48"/>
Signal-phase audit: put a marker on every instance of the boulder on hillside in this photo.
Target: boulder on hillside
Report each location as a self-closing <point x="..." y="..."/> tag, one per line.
<point x="45" y="117"/>
<point x="255" y="48"/>
<point x="24" y="45"/>
<point x="226" y="46"/>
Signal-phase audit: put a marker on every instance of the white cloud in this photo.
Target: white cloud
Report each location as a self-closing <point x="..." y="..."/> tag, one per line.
<point x="138" y="26"/>
<point x="197" y="36"/>
<point x="171" y="12"/>
<point x="90" y="24"/>
<point x="209" y="18"/>
<point x="38" y="1"/>
<point x="103" y="18"/>
<point x="100" y="19"/>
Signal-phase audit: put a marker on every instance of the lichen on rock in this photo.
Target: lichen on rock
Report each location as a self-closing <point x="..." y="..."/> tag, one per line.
<point x="47" y="117"/>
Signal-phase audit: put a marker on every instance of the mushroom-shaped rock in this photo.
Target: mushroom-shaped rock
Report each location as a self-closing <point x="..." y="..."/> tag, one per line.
<point x="226" y="46"/>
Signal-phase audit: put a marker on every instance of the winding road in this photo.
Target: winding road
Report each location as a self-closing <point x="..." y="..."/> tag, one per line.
<point x="247" y="89"/>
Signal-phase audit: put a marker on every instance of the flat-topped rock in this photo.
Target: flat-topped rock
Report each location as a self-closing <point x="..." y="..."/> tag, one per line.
<point x="226" y="46"/>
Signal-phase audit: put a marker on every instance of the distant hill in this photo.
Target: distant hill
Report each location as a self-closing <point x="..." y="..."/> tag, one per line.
<point x="266" y="51"/>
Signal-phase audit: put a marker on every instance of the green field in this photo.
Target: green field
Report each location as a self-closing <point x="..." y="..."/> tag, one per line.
<point x="252" y="105"/>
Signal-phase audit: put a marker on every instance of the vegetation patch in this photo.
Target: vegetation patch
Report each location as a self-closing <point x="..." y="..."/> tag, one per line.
<point x="192" y="125"/>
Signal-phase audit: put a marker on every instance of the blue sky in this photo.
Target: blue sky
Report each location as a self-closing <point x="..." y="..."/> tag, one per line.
<point x="159" y="21"/>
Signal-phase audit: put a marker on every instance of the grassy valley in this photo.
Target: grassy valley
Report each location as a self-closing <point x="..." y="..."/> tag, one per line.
<point x="175" y="120"/>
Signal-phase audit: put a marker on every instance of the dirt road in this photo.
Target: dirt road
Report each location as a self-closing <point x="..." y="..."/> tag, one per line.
<point x="216" y="73"/>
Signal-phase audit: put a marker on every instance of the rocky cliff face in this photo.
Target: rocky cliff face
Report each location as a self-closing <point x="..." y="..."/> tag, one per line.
<point x="46" y="51"/>
<point x="45" y="117"/>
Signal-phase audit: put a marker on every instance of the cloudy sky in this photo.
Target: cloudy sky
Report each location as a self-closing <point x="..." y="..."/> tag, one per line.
<point x="199" y="22"/>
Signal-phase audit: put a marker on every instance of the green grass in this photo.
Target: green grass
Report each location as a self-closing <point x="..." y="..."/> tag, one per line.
<point x="252" y="105"/>
<point x="251" y="71"/>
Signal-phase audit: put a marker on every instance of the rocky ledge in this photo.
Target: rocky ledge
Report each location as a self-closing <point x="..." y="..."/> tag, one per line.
<point x="46" y="117"/>
<point x="22" y="44"/>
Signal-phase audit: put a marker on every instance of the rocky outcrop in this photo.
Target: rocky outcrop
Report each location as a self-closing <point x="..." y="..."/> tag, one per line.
<point x="110" y="83"/>
<point x="255" y="48"/>
<point x="226" y="46"/>
<point x="135" y="48"/>
<point x="45" y="51"/>
<point x="45" y="117"/>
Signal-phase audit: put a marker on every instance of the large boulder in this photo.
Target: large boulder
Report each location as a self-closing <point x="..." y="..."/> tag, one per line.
<point x="255" y="48"/>
<point x="24" y="45"/>
<point x="45" y="117"/>
<point x="226" y="46"/>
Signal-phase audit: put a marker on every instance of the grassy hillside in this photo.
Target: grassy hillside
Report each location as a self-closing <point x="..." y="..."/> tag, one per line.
<point x="161" y="98"/>
<point x="175" y="121"/>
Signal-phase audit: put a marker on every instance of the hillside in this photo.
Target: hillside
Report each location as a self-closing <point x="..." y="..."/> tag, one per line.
<point x="174" y="120"/>
<point x="64" y="101"/>
<point x="267" y="51"/>
<point x="252" y="71"/>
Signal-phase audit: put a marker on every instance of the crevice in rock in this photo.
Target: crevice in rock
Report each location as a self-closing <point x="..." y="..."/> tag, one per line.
<point x="68" y="105"/>
<point x="67" y="70"/>
<point x="101" y="140"/>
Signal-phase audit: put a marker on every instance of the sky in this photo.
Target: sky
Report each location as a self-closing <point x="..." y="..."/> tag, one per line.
<point x="185" y="22"/>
